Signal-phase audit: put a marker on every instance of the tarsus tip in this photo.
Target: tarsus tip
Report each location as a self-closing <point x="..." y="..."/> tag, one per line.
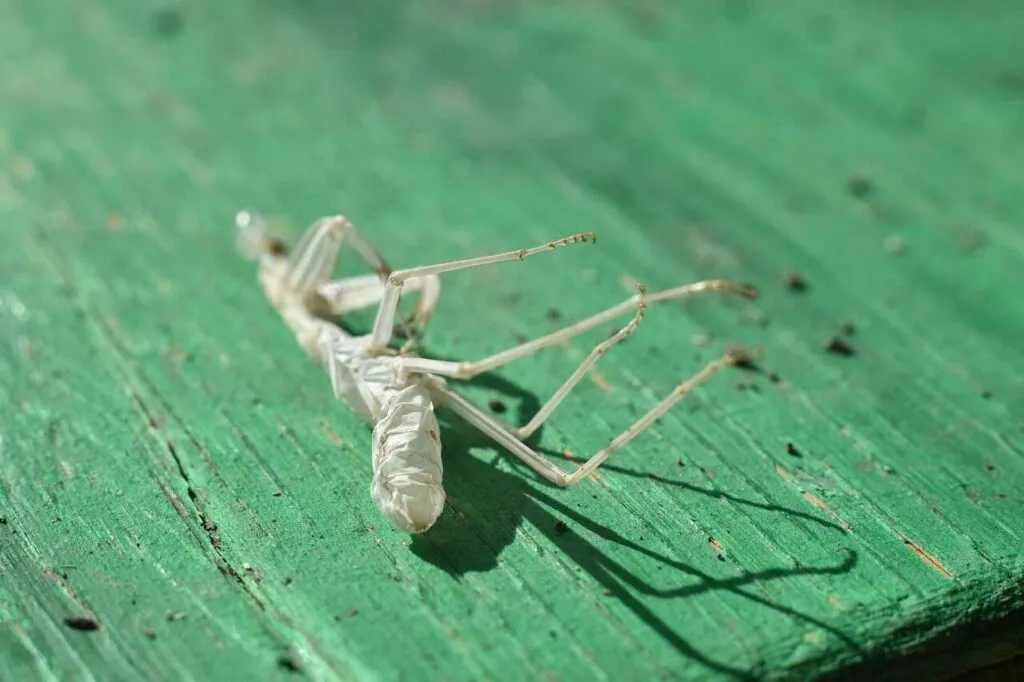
<point x="748" y="291"/>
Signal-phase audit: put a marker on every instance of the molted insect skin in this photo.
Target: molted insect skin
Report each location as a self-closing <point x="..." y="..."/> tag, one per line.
<point x="407" y="466"/>
<point x="359" y="382"/>
<point x="310" y="332"/>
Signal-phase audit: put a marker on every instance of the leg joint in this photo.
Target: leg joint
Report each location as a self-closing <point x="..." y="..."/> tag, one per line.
<point x="465" y="370"/>
<point x="340" y="223"/>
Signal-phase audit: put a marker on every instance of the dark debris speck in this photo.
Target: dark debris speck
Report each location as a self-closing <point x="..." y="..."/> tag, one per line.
<point x="859" y="186"/>
<point x="745" y="361"/>
<point x="792" y="450"/>
<point x="838" y="346"/>
<point x="497" y="406"/>
<point x="847" y="329"/>
<point x="795" y="282"/>
<point x="561" y="528"/>
<point x="83" y="623"/>
<point x="289" y="662"/>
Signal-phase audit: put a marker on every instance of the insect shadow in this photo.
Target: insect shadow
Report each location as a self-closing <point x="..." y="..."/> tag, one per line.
<point x="487" y="505"/>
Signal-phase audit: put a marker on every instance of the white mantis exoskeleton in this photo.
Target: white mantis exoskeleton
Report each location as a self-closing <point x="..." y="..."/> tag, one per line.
<point x="396" y="391"/>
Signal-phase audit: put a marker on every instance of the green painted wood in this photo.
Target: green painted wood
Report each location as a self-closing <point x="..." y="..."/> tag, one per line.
<point x="172" y="467"/>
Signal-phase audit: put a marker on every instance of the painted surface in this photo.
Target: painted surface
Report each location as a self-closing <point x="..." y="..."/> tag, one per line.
<point x="172" y="467"/>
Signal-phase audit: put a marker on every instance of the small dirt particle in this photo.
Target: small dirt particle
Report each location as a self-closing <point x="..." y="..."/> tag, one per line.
<point x="83" y="623"/>
<point x="277" y="493"/>
<point x="795" y="282"/>
<point x="173" y="616"/>
<point x="847" y="329"/>
<point x="859" y="186"/>
<point x="990" y="467"/>
<point x="746" y="362"/>
<point x="561" y="528"/>
<point x="773" y="377"/>
<point x="554" y="314"/>
<point x="497" y="406"/>
<point x="986" y="394"/>
<point x="148" y="632"/>
<point x="154" y="422"/>
<point x="289" y="663"/>
<point x="792" y="450"/>
<point x="681" y="463"/>
<point x="288" y="581"/>
<point x="838" y="346"/>
<point x="255" y="572"/>
<point x="3" y="520"/>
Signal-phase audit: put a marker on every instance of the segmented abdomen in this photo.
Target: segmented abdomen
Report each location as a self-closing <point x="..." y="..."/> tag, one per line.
<point x="407" y="466"/>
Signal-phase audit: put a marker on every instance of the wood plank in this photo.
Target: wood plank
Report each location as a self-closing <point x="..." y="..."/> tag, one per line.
<point x="172" y="467"/>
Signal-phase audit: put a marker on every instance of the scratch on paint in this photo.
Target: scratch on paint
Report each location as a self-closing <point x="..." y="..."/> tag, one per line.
<point x="815" y="501"/>
<point x="820" y="504"/>
<point x="927" y="558"/>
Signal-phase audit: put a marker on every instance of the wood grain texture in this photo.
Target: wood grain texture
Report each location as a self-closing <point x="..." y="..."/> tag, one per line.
<point x="172" y="467"/>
